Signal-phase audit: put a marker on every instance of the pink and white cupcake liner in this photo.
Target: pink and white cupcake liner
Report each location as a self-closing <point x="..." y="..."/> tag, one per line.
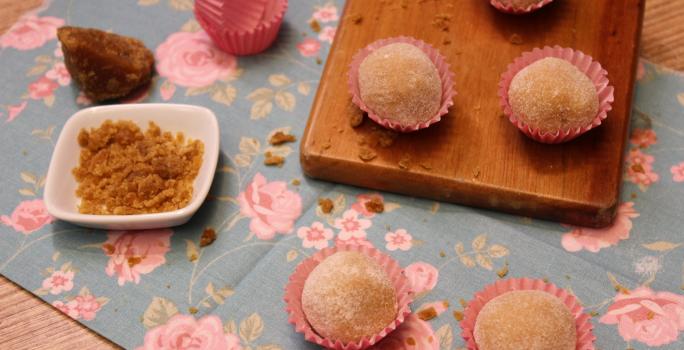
<point x="295" y="286"/>
<point x="584" y="328"/>
<point x="585" y="64"/>
<point x="241" y="15"/>
<point x="244" y="40"/>
<point x="509" y="8"/>
<point x="445" y="75"/>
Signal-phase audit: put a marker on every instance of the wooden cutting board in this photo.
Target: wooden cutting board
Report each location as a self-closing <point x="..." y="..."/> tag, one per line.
<point x="475" y="156"/>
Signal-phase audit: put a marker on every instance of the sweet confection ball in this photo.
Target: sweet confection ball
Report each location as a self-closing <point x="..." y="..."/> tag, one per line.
<point x="348" y="296"/>
<point x="551" y="94"/>
<point x="399" y="82"/>
<point x="528" y="319"/>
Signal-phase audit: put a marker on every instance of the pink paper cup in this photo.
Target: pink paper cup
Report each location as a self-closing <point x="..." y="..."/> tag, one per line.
<point x="242" y="15"/>
<point x="585" y="335"/>
<point x="585" y="64"/>
<point x="249" y="42"/>
<point x="293" y="296"/>
<point x="445" y="75"/>
<point x="517" y="10"/>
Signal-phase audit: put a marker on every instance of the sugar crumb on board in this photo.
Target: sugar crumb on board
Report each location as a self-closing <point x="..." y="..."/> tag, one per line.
<point x="367" y="154"/>
<point x="356" y="18"/>
<point x="326" y="145"/>
<point x="326" y="205"/>
<point x="441" y="21"/>
<point x="356" y="119"/>
<point x="404" y="163"/>
<point x="515" y="39"/>
<point x="427" y="167"/>
<point x="273" y="160"/>
<point x="280" y="137"/>
<point x="208" y="237"/>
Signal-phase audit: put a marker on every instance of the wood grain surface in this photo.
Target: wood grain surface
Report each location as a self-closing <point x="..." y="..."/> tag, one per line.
<point x="474" y="156"/>
<point x="26" y="322"/>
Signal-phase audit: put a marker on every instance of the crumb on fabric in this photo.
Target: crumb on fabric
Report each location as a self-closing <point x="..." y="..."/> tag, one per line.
<point x="296" y="182"/>
<point x="273" y="160"/>
<point x="427" y="314"/>
<point x="326" y="205"/>
<point x="208" y="237"/>
<point x="375" y="205"/>
<point x="193" y="310"/>
<point x="280" y="137"/>
<point x="458" y="315"/>
<point x="315" y="26"/>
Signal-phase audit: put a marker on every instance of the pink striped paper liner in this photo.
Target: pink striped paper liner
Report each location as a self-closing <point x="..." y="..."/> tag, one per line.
<point x="242" y="15"/>
<point x="245" y="42"/>
<point x="585" y="64"/>
<point x="584" y="328"/>
<point x="509" y="8"/>
<point x="210" y="10"/>
<point x="293" y="296"/>
<point x="445" y="75"/>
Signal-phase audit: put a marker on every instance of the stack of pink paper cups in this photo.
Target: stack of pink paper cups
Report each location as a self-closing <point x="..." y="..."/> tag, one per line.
<point x="241" y="27"/>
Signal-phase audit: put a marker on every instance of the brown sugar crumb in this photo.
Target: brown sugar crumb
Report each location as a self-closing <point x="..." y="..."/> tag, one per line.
<point x="315" y="26"/>
<point x="375" y="205"/>
<point x="442" y="254"/>
<point x="273" y="160"/>
<point x="208" y="237"/>
<point x="367" y="155"/>
<point x="318" y="60"/>
<point x="123" y="171"/>
<point x="593" y="313"/>
<point x="386" y="138"/>
<point x="463" y="303"/>
<point x="633" y="195"/>
<point x="296" y="182"/>
<point x="193" y="310"/>
<point x="427" y="314"/>
<point x="515" y="39"/>
<point x="426" y="166"/>
<point x="404" y="163"/>
<point x="326" y="145"/>
<point x="446" y="42"/>
<point x="105" y="65"/>
<point x="280" y="137"/>
<point x="356" y="18"/>
<point x="458" y="315"/>
<point x="441" y="21"/>
<point x="503" y="271"/>
<point x="356" y="120"/>
<point x="326" y="205"/>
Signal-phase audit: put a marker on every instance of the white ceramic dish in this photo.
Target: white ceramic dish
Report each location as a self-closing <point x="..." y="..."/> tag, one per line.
<point x="60" y="187"/>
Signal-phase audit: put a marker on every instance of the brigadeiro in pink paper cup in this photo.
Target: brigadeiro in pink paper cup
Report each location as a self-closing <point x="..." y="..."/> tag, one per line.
<point x="519" y="7"/>
<point x="518" y="312"/>
<point x="402" y="83"/>
<point x="347" y="297"/>
<point x="238" y="38"/>
<point x="555" y="94"/>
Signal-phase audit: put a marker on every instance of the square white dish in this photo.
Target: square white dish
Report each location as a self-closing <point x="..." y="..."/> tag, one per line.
<point x="60" y="187"/>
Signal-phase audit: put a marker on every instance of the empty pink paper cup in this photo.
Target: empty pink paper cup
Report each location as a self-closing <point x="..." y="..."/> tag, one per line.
<point x="509" y="6"/>
<point x="295" y="286"/>
<point x="445" y="75"/>
<point x="241" y="15"/>
<point x="585" y="64"/>
<point x="583" y="326"/>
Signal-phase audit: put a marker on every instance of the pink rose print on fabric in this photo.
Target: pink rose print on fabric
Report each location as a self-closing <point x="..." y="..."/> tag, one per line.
<point x="13" y="111"/>
<point x="83" y="100"/>
<point x="413" y="334"/>
<point x="309" y="47"/>
<point x="422" y="276"/>
<point x="87" y="306"/>
<point x="653" y="318"/>
<point x="399" y="239"/>
<point x="67" y="308"/>
<point x="59" y="281"/>
<point x="595" y="239"/>
<point x="43" y="87"/>
<point x="315" y="236"/>
<point x="643" y="137"/>
<point x="31" y="32"/>
<point x="327" y="13"/>
<point x="167" y="90"/>
<point x="678" y="172"/>
<point x="59" y="73"/>
<point x="640" y="169"/>
<point x="28" y="216"/>
<point x="353" y="241"/>
<point x="192" y="60"/>
<point x="351" y="226"/>
<point x="135" y="253"/>
<point x="362" y="199"/>
<point x="184" y="332"/>
<point x="327" y="34"/>
<point x="271" y="206"/>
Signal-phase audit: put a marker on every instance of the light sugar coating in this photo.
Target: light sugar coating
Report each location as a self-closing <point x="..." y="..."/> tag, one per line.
<point x="349" y="296"/>
<point x="551" y="94"/>
<point x="399" y="82"/>
<point x="529" y="319"/>
<point x="520" y="4"/>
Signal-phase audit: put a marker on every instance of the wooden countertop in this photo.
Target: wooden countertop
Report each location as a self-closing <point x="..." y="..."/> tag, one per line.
<point x="26" y="322"/>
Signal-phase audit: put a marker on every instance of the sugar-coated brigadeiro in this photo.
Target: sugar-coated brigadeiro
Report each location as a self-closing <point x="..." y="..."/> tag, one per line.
<point x="552" y="95"/>
<point x="399" y="82"/>
<point x="525" y="319"/>
<point x="349" y="296"/>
